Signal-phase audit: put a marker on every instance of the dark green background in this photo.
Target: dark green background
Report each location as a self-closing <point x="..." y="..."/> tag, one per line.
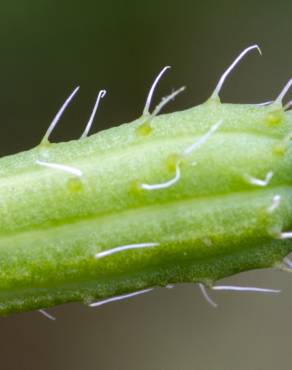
<point x="46" y="48"/>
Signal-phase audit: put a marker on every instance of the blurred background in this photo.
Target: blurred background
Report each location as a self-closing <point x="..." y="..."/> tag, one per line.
<point x="46" y="49"/>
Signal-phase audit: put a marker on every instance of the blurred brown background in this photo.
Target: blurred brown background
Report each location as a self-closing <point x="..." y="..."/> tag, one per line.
<point x="46" y="48"/>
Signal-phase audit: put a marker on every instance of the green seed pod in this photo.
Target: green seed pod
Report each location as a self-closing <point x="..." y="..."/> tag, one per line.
<point x="191" y="196"/>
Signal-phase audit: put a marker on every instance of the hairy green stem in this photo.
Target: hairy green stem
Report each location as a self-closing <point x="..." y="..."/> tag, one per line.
<point x="216" y="218"/>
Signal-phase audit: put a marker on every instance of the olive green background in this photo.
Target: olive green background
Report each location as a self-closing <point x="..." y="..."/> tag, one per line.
<point x="46" y="49"/>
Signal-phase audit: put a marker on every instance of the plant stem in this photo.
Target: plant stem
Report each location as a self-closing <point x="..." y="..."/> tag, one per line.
<point x="63" y="204"/>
